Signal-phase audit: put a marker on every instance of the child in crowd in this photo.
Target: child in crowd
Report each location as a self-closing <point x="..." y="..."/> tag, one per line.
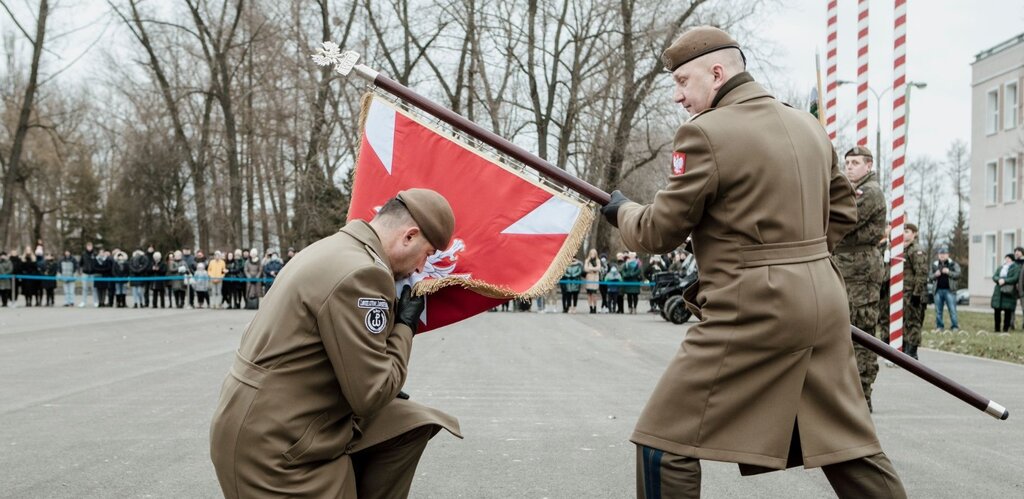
<point x="201" y="284"/>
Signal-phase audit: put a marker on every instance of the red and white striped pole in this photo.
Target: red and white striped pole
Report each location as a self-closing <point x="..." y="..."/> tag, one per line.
<point x="862" y="73"/>
<point x="831" y="81"/>
<point x="899" y="135"/>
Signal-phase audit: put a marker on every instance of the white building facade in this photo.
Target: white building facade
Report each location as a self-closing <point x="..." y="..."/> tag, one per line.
<point x="997" y="162"/>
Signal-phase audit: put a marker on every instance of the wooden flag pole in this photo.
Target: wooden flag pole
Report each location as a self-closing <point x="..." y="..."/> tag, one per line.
<point x="345" y="63"/>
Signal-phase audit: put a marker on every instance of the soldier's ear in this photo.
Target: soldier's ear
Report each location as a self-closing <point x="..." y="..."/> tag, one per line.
<point x="410" y="234"/>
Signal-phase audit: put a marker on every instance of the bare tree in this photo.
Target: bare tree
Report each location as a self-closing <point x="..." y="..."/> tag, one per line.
<point x="193" y="149"/>
<point x="959" y="171"/>
<point x="217" y="38"/>
<point x="926" y="193"/>
<point x="13" y="178"/>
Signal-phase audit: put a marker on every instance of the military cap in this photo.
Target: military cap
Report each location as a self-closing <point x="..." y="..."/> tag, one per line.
<point x="859" y="151"/>
<point x="696" y="42"/>
<point x="943" y="249"/>
<point x="432" y="214"/>
<point x="911" y="227"/>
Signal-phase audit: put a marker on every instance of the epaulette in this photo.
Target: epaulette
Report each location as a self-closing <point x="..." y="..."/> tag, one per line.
<point x="376" y="258"/>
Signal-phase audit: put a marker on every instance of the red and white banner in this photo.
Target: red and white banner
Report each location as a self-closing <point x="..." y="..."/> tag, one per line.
<point x="513" y="236"/>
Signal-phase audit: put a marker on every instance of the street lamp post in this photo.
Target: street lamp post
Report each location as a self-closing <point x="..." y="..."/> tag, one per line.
<point x="880" y="163"/>
<point x="906" y="107"/>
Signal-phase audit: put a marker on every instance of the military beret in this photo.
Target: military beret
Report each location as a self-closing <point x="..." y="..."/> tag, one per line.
<point x="432" y="214"/>
<point x="858" y="151"/>
<point x="696" y="42"/>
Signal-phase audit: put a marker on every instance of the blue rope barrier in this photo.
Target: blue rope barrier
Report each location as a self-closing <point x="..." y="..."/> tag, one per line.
<point x="252" y="279"/>
<point x="132" y="279"/>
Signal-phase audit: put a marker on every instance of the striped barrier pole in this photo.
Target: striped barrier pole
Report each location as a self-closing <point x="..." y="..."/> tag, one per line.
<point x="862" y="73"/>
<point x="898" y="213"/>
<point x="831" y="59"/>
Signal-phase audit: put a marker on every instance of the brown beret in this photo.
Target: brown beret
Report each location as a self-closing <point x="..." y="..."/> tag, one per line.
<point x="432" y="214"/>
<point x="696" y="42"/>
<point x="859" y="151"/>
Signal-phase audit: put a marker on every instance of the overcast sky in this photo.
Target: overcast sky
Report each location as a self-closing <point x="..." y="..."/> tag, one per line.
<point x="943" y="36"/>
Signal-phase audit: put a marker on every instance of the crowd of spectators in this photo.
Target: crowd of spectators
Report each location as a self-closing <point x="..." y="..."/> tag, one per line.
<point x="102" y="278"/>
<point x="611" y="286"/>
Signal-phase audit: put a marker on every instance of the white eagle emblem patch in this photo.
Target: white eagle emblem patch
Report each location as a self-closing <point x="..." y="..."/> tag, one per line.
<point x="678" y="163"/>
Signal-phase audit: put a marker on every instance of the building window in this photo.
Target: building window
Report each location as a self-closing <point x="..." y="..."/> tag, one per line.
<point x="1009" y="242"/>
<point x="1009" y="180"/>
<point x="1010" y="102"/>
<point x="991" y="182"/>
<point x="990" y="254"/>
<point x="992" y="112"/>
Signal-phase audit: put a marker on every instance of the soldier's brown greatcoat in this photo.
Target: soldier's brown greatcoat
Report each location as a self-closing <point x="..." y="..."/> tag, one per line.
<point x="761" y="193"/>
<point x="316" y="375"/>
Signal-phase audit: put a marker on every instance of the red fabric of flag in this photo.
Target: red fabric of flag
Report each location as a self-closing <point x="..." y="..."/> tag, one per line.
<point x="513" y="236"/>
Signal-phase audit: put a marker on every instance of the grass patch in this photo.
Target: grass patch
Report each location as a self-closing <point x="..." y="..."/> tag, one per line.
<point x="975" y="337"/>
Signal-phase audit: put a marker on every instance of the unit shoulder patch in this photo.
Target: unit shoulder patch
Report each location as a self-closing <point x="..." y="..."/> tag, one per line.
<point x="376" y="319"/>
<point x="372" y="303"/>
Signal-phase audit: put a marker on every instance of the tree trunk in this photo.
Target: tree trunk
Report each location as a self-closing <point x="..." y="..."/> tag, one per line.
<point x="13" y="178"/>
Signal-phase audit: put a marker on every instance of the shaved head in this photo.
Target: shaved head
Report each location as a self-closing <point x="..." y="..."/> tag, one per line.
<point x="698" y="81"/>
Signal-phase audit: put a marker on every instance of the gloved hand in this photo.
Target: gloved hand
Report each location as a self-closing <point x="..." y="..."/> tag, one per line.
<point x="409" y="308"/>
<point x="915" y="301"/>
<point x="611" y="210"/>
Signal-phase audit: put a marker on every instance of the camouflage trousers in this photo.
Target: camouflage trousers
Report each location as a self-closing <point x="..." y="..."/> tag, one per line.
<point x="913" y="319"/>
<point x="865" y="317"/>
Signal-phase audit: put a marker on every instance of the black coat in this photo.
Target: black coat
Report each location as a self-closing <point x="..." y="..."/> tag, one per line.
<point x="138" y="265"/>
<point x="120" y="269"/>
<point x="88" y="262"/>
<point x="159" y="269"/>
<point x="50" y="269"/>
<point x="28" y="268"/>
<point x="104" y="268"/>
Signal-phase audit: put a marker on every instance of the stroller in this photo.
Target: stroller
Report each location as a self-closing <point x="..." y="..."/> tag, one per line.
<point x="667" y="293"/>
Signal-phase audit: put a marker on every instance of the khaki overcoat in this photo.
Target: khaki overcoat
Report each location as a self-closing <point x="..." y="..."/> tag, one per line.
<point x="316" y="375"/>
<point x="770" y="362"/>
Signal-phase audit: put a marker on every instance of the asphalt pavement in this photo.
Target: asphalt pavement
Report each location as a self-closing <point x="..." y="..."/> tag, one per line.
<point x="117" y="403"/>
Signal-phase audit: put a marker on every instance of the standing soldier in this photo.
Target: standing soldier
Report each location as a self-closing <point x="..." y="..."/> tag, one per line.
<point x="915" y="285"/>
<point x="768" y="378"/>
<point x="860" y="261"/>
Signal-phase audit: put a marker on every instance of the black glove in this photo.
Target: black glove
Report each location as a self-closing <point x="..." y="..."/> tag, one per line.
<point x="915" y="301"/>
<point x="402" y="395"/>
<point x="409" y="308"/>
<point x="611" y="210"/>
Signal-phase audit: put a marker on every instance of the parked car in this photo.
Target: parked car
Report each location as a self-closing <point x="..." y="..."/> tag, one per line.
<point x="963" y="297"/>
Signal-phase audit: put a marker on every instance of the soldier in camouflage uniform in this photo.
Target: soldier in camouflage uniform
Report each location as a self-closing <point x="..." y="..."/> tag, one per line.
<point x="915" y="287"/>
<point x="859" y="259"/>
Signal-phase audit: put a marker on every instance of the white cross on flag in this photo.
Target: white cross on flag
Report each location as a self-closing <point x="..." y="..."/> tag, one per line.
<point x="513" y="236"/>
